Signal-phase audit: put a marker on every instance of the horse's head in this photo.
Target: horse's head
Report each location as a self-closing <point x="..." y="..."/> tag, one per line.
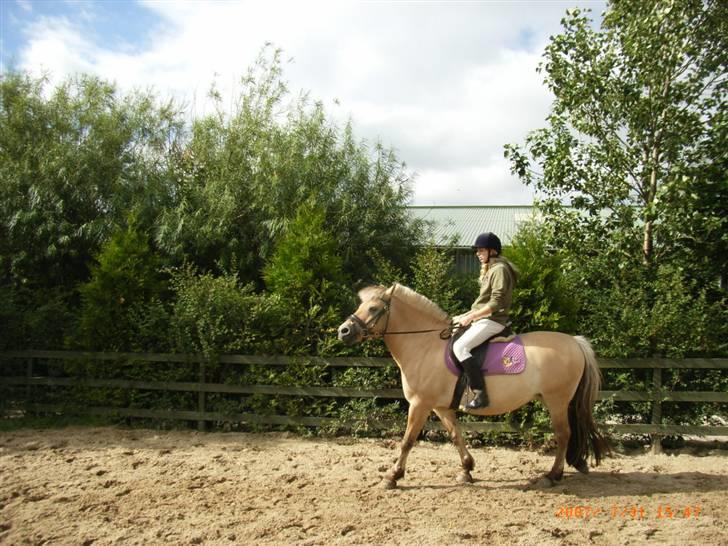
<point x="368" y="320"/>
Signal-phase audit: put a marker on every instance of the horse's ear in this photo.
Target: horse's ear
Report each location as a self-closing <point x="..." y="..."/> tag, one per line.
<point x="391" y="290"/>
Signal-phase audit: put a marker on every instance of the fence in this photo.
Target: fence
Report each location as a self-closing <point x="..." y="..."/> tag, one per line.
<point x="31" y="380"/>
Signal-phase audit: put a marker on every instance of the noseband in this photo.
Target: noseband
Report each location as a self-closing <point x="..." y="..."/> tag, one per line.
<point x="372" y="322"/>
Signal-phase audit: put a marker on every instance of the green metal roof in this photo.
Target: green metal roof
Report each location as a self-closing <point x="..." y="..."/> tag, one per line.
<point x="466" y="223"/>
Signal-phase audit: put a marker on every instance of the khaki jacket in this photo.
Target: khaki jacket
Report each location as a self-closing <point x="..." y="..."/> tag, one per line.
<point x="496" y="289"/>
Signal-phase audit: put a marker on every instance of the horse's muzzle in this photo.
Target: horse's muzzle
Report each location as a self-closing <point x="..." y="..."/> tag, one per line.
<point x="349" y="333"/>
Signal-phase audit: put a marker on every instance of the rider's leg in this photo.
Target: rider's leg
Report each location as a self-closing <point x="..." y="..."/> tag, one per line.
<point x="478" y="332"/>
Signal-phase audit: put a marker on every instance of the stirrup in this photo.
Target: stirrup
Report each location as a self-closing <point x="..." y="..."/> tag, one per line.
<point x="480" y="401"/>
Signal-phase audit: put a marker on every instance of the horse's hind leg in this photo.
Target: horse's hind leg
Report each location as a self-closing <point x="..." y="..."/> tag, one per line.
<point x="416" y="418"/>
<point x="447" y="416"/>
<point x="559" y="411"/>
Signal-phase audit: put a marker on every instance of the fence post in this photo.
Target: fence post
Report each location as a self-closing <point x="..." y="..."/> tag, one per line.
<point x="29" y="386"/>
<point x="656" y="438"/>
<point x="201" y="396"/>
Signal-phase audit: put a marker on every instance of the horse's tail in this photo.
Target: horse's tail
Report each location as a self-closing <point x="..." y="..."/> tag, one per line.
<point x="585" y="437"/>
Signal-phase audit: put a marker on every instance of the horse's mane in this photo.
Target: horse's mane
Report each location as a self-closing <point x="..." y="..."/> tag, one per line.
<point x="409" y="296"/>
<point x="420" y="302"/>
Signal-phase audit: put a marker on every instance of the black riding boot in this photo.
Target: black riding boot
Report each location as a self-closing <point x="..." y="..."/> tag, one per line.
<point x="477" y="384"/>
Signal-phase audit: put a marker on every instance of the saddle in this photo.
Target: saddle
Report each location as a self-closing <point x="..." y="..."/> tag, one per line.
<point x="502" y="354"/>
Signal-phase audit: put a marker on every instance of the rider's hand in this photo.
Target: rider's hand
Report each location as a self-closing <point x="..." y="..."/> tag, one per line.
<point x="464" y="320"/>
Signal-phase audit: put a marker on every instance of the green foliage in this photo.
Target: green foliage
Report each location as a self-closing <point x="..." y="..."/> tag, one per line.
<point x="467" y="288"/>
<point x="432" y="273"/>
<point x="637" y="124"/>
<point x="679" y="302"/>
<point x="367" y="417"/>
<point x="38" y="318"/>
<point x="125" y="278"/>
<point x="210" y="315"/>
<point x="243" y="177"/>
<point x="636" y="141"/>
<point x="304" y="263"/>
<point x="149" y="323"/>
<point x="74" y="162"/>
<point x="670" y="317"/>
<point x="305" y="272"/>
<point x="368" y="378"/>
<point x="543" y="298"/>
<point x="79" y="160"/>
<point x="385" y="272"/>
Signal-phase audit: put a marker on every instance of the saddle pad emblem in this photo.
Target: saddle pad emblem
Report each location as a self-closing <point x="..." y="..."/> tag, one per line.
<point x="501" y="358"/>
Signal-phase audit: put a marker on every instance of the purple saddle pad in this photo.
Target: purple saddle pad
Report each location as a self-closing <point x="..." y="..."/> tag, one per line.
<point x="501" y="358"/>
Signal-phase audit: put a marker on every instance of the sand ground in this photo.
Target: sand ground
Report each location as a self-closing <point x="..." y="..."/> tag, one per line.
<point x="108" y="485"/>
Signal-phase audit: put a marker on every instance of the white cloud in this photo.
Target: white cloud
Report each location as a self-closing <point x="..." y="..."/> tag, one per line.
<point x="489" y="183"/>
<point x="57" y="47"/>
<point x="445" y="84"/>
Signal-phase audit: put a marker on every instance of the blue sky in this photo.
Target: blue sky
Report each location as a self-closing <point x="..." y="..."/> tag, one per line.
<point x="114" y="24"/>
<point x="446" y="84"/>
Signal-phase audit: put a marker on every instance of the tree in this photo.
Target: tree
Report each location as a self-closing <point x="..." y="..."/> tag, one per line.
<point x="125" y="277"/>
<point x="244" y="174"/>
<point x="637" y="133"/>
<point x="74" y="161"/>
<point x="305" y="272"/>
<point x="305" y="259"/>
<point x="637" y="144"/>
<point x="543" y="298"/>
<point x="433" y="277"/>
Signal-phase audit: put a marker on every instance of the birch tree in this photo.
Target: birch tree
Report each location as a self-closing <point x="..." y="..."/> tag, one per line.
<point x="636" y="141"/>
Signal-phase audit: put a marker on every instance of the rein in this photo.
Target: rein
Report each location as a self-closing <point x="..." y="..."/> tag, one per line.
<point x="445" y="333"/>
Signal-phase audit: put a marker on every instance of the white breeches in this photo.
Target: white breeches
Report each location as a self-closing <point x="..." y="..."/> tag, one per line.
<point x="478" y="332"/>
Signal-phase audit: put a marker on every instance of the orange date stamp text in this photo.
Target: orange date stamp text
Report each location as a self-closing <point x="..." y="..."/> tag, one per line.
<point x="626" y="512"/>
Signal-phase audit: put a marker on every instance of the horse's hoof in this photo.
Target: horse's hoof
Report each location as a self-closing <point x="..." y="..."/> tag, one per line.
<point x="464" y="478"/>
<point x="542" y="482"/>
<point x="388" y="484"/>
<point x="554" y="479"/>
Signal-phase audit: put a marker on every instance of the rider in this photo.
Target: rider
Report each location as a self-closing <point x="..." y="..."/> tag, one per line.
<point x="488" y="316"/>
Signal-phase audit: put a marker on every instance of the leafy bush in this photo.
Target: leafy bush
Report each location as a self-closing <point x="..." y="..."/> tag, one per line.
<point x="627" y="314"/>
<point x="543" y="298"/>
<point x="432" y="276"/>
<point x="305" y="272"/>
<point x="34" y="317"/>
<point x="210" y="315"/>
<point x="125" y="277"/>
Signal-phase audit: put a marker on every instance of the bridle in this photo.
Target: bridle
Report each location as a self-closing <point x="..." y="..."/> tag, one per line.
<point x="366" y="327"/>
<point x="372" y="322"/>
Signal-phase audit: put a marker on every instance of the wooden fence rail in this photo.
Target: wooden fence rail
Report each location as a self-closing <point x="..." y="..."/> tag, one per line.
<point x="656" y="395"/>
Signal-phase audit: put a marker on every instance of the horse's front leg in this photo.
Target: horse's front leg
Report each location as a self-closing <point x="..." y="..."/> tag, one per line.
<point x="449" y="420"/>
<point x="416" y="418"/>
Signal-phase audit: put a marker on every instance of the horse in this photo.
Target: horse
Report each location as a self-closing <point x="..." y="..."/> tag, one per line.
<point x="561" y="371"/>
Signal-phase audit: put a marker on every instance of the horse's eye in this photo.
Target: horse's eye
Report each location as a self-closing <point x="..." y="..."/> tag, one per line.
<point x="373" y="309"/>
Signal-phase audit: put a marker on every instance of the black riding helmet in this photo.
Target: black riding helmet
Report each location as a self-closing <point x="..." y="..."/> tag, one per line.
<point x="488" y="240"/>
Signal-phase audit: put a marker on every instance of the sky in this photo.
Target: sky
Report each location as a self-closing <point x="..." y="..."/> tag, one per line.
<point x="445" y="84"/>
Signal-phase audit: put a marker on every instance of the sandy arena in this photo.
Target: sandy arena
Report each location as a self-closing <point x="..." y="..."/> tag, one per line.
<point x="98" y="486"/>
